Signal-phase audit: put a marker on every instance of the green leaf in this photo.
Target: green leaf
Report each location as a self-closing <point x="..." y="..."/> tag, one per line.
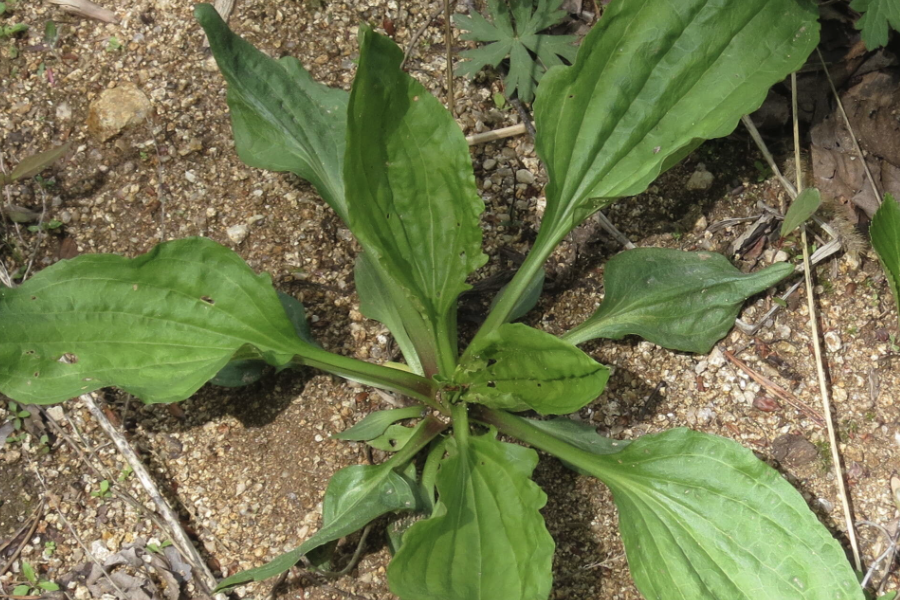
<point x="376" y="423"/>
<point x="355" y="497"/>
<point x="680" y="300"/>
<point x="885" y="234"/>
<point x="517" y="367"/>
<point x="158" y="326"/>
<point x="48" y="586"/>
<point x="28" y="572"/>
<point x="514" y="32"/>
<point x="581" y="435"/>
<point x="380" y="301"/>
<point x="34" y="164"/>
<point x="393" y="439"/>
<point x="486" y="538"/>
<point x="802" y="208"/>
<point x="410" y="183"/>
<point x="888" y="596"/>
<point x="21" y="590"/>
<point x="702" y="518"/>
<point x="527" y="301"/>
<point x="879" y="15"/>
<point x="652" y="79"/>
<point x="242" y="371"/>
<point x="282" y="119"/>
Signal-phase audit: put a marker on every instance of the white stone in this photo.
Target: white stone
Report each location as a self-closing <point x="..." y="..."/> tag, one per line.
<point x="701" y="179"/>
<point x="237" y="233"/>
<point x="832" y="341"/>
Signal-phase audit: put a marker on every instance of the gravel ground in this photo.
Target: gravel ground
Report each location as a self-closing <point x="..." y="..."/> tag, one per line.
<point x="247" y="468"/>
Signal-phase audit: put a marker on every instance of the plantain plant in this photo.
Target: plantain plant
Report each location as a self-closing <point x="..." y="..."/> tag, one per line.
<point x="701" y="517"/>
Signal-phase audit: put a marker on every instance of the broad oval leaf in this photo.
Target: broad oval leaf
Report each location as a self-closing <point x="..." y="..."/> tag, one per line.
<point x="410" y="183"/>
<point x="517" y="367"/>
<point x="246" y="371"/>
<point x="486" y="539"/>
<point x="885" y="235"/>
<point x="376" y="423"/>
<point x="652" y="80"/>
<point x="680" y="300"/>
<point x="282" y="119"/>
<point x="802" y="208"/>
<point x="158" y="326"/>
<point x="703" y="519"/>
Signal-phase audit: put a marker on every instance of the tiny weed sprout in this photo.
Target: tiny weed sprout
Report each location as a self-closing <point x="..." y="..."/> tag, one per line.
<point x="35" y="586"/>
<point x="701" y="517"/>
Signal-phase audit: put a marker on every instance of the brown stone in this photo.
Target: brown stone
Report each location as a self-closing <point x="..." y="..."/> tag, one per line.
<point x="116" y="110"/>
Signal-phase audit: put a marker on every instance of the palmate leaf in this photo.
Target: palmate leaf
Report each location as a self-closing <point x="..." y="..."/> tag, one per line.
<point x="652" y="80"/>
<point x="680" y="300"/>
<point x="410" y="183"/>
<point x="514" y="33"/>
<point x="703" y="519"/>
<point x="282" y="119"/>
<point x="486" y="539"/>
<point x="517" y="368"/>
<point x="158" y="326"/>
<point x="879" y="16"/>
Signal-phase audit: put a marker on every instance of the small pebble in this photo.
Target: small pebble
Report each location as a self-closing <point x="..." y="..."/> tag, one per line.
<point x="525" y="176"/>
<point x="490" y="164"/>
<point x="701" y="179"/>
<point x="237" y="233"/>
<point x="832" y="341"/>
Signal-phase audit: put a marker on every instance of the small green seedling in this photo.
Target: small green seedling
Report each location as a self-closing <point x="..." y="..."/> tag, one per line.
<point x="701" y="517"/>
<point x="104" y="490"/>
<point x="48" y="226"/>
<point x="8" y="31"/>
<point x="35" y="585"/>
<point x="51" y="34"/>
<point x="49" y="548"/>
<point x="158" y="548"/>
<point x="125" y="474"/>
<point x="113" y="44"/>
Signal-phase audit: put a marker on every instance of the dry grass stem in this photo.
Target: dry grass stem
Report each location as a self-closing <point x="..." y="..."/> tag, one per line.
<point x="817" y="345"/>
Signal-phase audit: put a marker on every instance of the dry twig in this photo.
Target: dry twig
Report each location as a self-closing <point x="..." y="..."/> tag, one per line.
<point x="496" y="134"/>
<point x="775" y="389"/>
<point x="35" y="519"/>
<point x="415" y="38"/>
<point x="87" y="9"/>
<point x="179" y="537"/>
<point x="817" y="346"/>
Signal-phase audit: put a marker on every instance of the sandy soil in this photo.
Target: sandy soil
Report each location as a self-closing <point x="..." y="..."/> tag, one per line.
<point x="247" y="468"/>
